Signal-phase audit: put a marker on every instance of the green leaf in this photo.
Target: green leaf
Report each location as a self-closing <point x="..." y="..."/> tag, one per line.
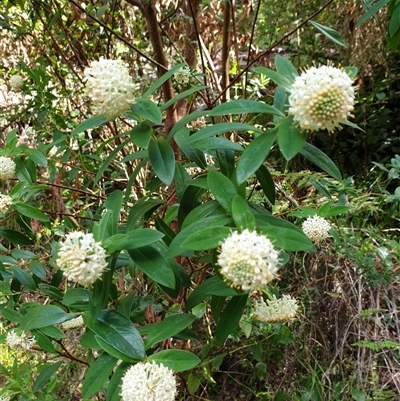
<point x="290" y="138"/>
<point x="141" y="134"/>
<point x="118" y="332"/>
<point x="184" y="121"/>
<point x="154" y="264"/>
<point x="242" y="215"/>
<point x="372" y="11"/>
<point x="230" y="318"/>
<point x="146" y="109"/>
<point x="320" y="159"/>
<point x="278" y="78"/>
<point x="222" y="188"/>
<point x="207" y="238"/>
<point x="285" y="68"/>
<point x="211" y="286"/>
<point x="155" y="85"/>
<point x="42" y="316"/>
<point x="113" y="204"/>
<point x="76" y="297"/>
<point x="36" y="156"/>
<point x="162" y="159"/>
<point x="242" y="106"/>
<point x="30" y="211"/>
<point x="44" y="376"/>
<point x="358" y="395"/>
<point x="97" y="374"/>
<point x="394" y="23"/>
<point x="216" y="129"/>
<point x="288" y="239"/>
<point x="113" y="388"/>
<point x="267" y="184"/>
<point x="43" y="341"/>
<point x="217" y="143"/>
<point x="175" y="247"/>
<point x="200" y="212"/>
<point x="330" y="33"/>
<point x="175" y="359"/>
<point x="15" y="237"/>
<point x="167" y="328"/>
<point x="254" y="155"/>
<point x="132" y="240"/>
<point x="89" y="123"/>
<point x="182" y="95"/>
<point x="24" y="278"/>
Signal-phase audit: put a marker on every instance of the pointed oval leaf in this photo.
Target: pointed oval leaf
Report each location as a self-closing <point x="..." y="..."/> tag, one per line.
<point x="330" y="33"/>
<point x="266" y="182"/>
<point x="36" y="156"/>
<point x="175" y="359"/>
<point x="285" y="68"/>
<point x="147" y="109"/>
<point x="154" y="264"/>
<point x="30" y="211"/>
<point x="241" y="106"/>
<point x="162" y="159"/>
<point x="216" y="129"/>
<point x="278" y="78"/>
<point x="89" y="123"/>
<point x="45" y="375"/>
<point x="290" y="138"/>
<point x="254" y="155"/>
<point x="320" y="159"/>
<point x="222" y="188"/>
<point x="132" y="239"/>
<point x="170" y="326"/>
<point x="117" y="331"/>
<point x="230" y="317"/>
<point x="141" y="134"/>
<point x="242" y="215"/>
<point x="97" y="374"/>
<point x="42" y="316"/>
<point x="288" y="239"/>
<point x="207" y="238"/>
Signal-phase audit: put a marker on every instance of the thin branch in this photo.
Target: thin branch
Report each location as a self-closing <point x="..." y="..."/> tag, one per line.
<point x="263" y="54"/>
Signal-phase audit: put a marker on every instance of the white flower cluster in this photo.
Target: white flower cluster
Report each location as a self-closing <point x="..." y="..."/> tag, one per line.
<point x="5" y="203"/>
<point x="321" y="98"/>
<point x="4" y="398"/>
<point x="81" y="258"/>
<point x="248" y="260"/>
<point x="276" y="310"/>
<point x="316" y="228"/>
<point x="148" y="382"/>
<point x="109" y="86"/>
<point x="7" y="168"/>
<point x="17" y="342"/>
<point x="183" y="75"/>
<point x="16" y="82"/>
<point x="73" y="323"/>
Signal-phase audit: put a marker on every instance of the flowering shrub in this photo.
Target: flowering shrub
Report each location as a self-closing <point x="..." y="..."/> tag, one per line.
<point x="180" y="240"/>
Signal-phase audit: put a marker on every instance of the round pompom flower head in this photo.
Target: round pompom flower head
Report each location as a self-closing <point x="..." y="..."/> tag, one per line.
<point x="321" y="98"/>
<point x="109" y="87"/>
<point x="147" y="381"/>
<point x="81" y="258"/>
<point x="248" y="260"/>
<point x="22" y="342"/>
<point x="16" y="82"/>
<point x="5" y="203"/>
<point x="316" y="228"/>
<point x="183" y="75"/>
<point x="7" y="168"/>
<point x="276" y="310"/>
